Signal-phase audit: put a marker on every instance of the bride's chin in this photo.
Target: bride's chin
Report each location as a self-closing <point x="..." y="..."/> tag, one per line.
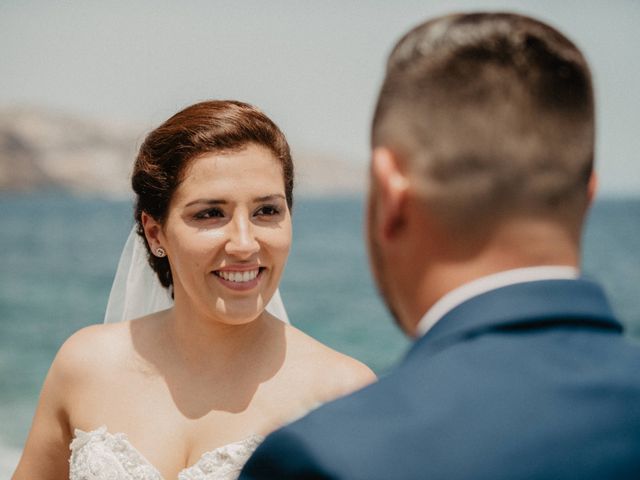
<point x="237" y="315"/>
<point x="237" y="320"/>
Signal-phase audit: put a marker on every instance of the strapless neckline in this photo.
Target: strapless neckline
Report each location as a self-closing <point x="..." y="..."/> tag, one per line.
<point x="220" y="461"/>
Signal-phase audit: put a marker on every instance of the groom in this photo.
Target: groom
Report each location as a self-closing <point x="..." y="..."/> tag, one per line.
<point x="481" y="175"/>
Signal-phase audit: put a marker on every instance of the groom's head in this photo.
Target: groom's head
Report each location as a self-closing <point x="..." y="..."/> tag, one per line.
<point x="483" y="141"/>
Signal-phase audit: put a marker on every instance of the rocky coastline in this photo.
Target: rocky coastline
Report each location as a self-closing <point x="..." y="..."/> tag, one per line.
<point x="46" y="150"/>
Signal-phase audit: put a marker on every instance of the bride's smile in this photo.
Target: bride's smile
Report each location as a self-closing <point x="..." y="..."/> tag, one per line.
<point x="239" y="277"/>
<point x="227" y="233"/>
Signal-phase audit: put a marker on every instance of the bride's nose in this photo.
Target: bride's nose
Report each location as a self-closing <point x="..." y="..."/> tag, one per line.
<point x="242" y="242"/>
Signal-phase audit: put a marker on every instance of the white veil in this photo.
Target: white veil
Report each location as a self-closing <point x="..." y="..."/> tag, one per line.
<point x="136" y="290"/>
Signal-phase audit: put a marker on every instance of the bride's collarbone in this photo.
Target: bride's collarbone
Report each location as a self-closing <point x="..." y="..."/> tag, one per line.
<point x="132" y="384"/>
<point x="199" y="415"/>
<point x="155" y="353"/>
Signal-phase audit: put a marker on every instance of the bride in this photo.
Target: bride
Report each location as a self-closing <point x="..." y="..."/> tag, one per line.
<point x="190" y="391"/>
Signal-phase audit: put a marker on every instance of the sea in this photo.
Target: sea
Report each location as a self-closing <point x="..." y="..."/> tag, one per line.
<point x="58" y="255"/>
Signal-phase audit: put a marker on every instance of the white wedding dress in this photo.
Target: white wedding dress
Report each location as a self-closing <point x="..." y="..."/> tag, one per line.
<point x="100" y="455"/>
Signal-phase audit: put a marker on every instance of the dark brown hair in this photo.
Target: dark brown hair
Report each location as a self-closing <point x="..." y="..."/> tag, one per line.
<point x="494" y="114"/>
<point x="211" y="126"/>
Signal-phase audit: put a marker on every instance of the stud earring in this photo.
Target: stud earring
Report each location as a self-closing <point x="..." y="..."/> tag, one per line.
<point x="160" y="252"/>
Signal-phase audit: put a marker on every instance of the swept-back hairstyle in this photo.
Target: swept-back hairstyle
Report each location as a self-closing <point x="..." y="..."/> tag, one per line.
<point x="493" y="114"/>
<point x="212" y="126"/>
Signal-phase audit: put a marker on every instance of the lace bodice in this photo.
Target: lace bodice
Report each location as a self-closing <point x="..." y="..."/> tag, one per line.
<point x="100" y="455"/>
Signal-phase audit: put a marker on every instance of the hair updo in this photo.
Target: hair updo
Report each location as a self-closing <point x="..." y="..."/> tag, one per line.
<point x="211" y="126"/>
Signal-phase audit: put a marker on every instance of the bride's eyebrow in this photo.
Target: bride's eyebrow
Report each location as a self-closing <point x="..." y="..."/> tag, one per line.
<point x="214" y="201"/>
<point x="207" y="201"/>
<point x="267" y="198"/>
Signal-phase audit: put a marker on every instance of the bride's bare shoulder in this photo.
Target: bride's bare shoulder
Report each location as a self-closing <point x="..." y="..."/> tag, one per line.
<point x="337" y="373"/>
<point x="101" y="344"/>
<point x="91" y="349"/>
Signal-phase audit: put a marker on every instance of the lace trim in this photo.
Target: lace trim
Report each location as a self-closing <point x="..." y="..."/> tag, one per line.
<point x="223" y="463"/>
<point x="100" y="455"/>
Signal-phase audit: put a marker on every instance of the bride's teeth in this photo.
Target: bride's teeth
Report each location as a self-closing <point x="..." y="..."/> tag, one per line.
<point x="239" y="276"/>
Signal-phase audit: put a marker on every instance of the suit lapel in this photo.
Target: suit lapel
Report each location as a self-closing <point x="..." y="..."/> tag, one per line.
<point x="522" y="305"/>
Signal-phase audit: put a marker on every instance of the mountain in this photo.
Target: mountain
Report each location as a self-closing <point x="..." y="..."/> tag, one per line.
<point x="43" y="149"/>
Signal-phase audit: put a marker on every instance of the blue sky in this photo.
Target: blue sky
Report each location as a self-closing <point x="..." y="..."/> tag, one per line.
<point x="313" y="66"/>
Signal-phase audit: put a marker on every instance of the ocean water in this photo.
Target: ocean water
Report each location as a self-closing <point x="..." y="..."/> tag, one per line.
<point x="58" y="255"/>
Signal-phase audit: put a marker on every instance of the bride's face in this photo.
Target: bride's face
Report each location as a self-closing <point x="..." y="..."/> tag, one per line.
<point x="228" y="232"/>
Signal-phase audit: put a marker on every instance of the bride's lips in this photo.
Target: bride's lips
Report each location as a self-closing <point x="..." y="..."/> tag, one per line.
<point x="241" y="277"/>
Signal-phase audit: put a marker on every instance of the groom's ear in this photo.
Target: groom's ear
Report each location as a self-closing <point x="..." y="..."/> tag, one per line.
<point x="390" y="187"/>
<point x="152" y="230"/>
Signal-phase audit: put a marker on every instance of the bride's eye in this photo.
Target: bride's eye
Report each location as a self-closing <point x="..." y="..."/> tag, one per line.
<point x="209" y="213"/>
<point x="267" y="211"/>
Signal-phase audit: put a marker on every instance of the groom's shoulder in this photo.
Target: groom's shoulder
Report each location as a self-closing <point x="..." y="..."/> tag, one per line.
<point x="418" y="422"/>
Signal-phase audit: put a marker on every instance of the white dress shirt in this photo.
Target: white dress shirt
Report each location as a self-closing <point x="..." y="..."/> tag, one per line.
<point x="491" y="282"/>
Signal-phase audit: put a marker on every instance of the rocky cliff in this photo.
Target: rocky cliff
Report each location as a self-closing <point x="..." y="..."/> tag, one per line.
<point x="41" y="149"/>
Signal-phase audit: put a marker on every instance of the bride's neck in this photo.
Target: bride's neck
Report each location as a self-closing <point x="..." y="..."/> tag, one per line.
<point x="199" y="339"/>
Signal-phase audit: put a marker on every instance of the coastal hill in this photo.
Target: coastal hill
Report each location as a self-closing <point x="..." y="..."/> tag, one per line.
<point x="43" y="149"/>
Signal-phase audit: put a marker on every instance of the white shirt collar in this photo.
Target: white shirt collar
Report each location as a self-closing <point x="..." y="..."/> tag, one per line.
<point x="484" y="284"/>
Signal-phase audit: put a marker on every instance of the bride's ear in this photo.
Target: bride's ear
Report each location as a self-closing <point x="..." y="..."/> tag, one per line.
<point x="152" y="231"/>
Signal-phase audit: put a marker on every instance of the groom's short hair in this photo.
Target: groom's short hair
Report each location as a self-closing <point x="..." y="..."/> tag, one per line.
<point x="493" y="115"/>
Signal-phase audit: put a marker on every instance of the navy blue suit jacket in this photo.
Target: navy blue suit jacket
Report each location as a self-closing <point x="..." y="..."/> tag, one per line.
<point x="529" y="381"/>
